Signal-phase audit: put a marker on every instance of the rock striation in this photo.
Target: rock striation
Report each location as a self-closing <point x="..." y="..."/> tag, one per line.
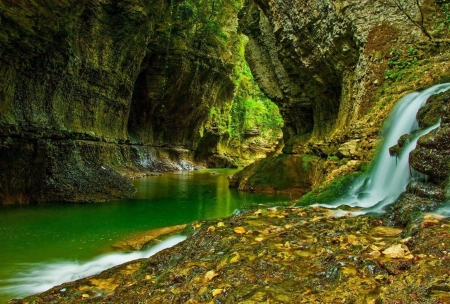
<point x="94" y="92"/>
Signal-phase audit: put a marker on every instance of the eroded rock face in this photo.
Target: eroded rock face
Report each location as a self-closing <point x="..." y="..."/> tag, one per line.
<point x="329" y="66"/>
<point x="93" y="91"/>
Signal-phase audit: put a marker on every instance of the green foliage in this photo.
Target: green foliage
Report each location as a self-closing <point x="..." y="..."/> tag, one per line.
<point x="333" y="158"/>
<point x="252" y="109"/>
<point x="306" y="161"/>
<point x="398" y="63"/>
<point x="445" y="7"/>
<point x="206" y="19"/>
<point x="186" y="11"/>
<point x="412" y="51"/>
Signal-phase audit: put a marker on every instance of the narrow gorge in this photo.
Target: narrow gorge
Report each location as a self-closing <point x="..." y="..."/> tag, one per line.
<point x="105" y="91"/>
<point x="302" y="96"/>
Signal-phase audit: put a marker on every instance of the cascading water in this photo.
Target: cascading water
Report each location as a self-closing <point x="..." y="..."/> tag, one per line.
<point x="40" y="277"/>
<point x="390" y="175"/>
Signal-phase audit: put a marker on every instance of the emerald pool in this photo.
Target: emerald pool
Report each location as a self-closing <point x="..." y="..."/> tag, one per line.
<point x="35" y="237"/>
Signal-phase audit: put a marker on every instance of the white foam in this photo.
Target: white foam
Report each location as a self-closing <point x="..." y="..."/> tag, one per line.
<point x="390" y="175"/>
<point x="39" y="277"/>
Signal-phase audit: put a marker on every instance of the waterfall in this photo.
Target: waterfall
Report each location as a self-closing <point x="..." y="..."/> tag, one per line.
<point x="390" y="175"/>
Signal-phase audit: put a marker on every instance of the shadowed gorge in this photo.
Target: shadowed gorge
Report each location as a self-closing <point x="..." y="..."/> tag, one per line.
<point x="107" y="91"/>
<point x="336" y="111"/>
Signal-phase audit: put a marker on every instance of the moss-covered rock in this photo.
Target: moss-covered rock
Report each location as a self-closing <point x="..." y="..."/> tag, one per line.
<point x="283" y="173"/>
<point x="328" y="194"/>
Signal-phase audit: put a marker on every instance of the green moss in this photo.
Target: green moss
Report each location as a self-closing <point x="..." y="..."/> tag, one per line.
<point x="330" y="192"/>
<point x="283" y="172"/>
<point x="306" y="161"/>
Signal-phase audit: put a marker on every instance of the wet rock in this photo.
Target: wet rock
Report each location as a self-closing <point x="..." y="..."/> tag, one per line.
<point x="348" y="149"/>
<point x="284" y="173"/>
<point x="307" y="254"/>
<point x="398" y="251"/>
<point x="408" y="207"/>
<point x="147" y="238"/>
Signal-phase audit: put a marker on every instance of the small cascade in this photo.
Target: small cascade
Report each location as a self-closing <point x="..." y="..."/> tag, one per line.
<point x="390" y="175"/>
<point x="39" y="277"/>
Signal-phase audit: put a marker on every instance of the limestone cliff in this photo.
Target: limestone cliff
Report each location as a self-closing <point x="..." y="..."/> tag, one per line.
<point x="95" y="91"/>
<point x="335" y="69"/>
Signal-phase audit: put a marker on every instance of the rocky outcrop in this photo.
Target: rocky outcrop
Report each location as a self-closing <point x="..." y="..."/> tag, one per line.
<point x="93" y="92"/>
<point x="288" y="173"/>
<point x="336" y="68"/>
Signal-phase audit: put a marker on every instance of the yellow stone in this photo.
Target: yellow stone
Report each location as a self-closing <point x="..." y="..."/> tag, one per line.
<point x="349" y="271"/>
<point x="398" y="251"/>
<point x="202" y="290"/>
<point x="375" y="254"/>
<point x="211" y="275"/>
<point x="217" y="291"/>
<point x="376" y="248"/>
<point x="352" y="240"/>
<point x="386" y="231"/>
<point x="235" y="258"/>
<point x="239" y="230"/>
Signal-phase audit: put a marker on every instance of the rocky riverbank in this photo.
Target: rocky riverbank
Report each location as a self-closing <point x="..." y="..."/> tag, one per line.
<point x="282" y="255"/>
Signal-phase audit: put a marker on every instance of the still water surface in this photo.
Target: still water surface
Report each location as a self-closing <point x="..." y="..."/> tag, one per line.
<point x="50" y="233"/>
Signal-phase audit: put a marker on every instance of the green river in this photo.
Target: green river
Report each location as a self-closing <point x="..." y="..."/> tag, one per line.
<point x="33" y="238"/>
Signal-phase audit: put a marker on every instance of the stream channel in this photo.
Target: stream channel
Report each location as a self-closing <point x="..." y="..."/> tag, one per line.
<point x="46" y="245"/>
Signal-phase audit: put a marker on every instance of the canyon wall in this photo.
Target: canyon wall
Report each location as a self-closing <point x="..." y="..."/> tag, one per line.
<point x="335" y="69"/>
<point x="94" y="92"/>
